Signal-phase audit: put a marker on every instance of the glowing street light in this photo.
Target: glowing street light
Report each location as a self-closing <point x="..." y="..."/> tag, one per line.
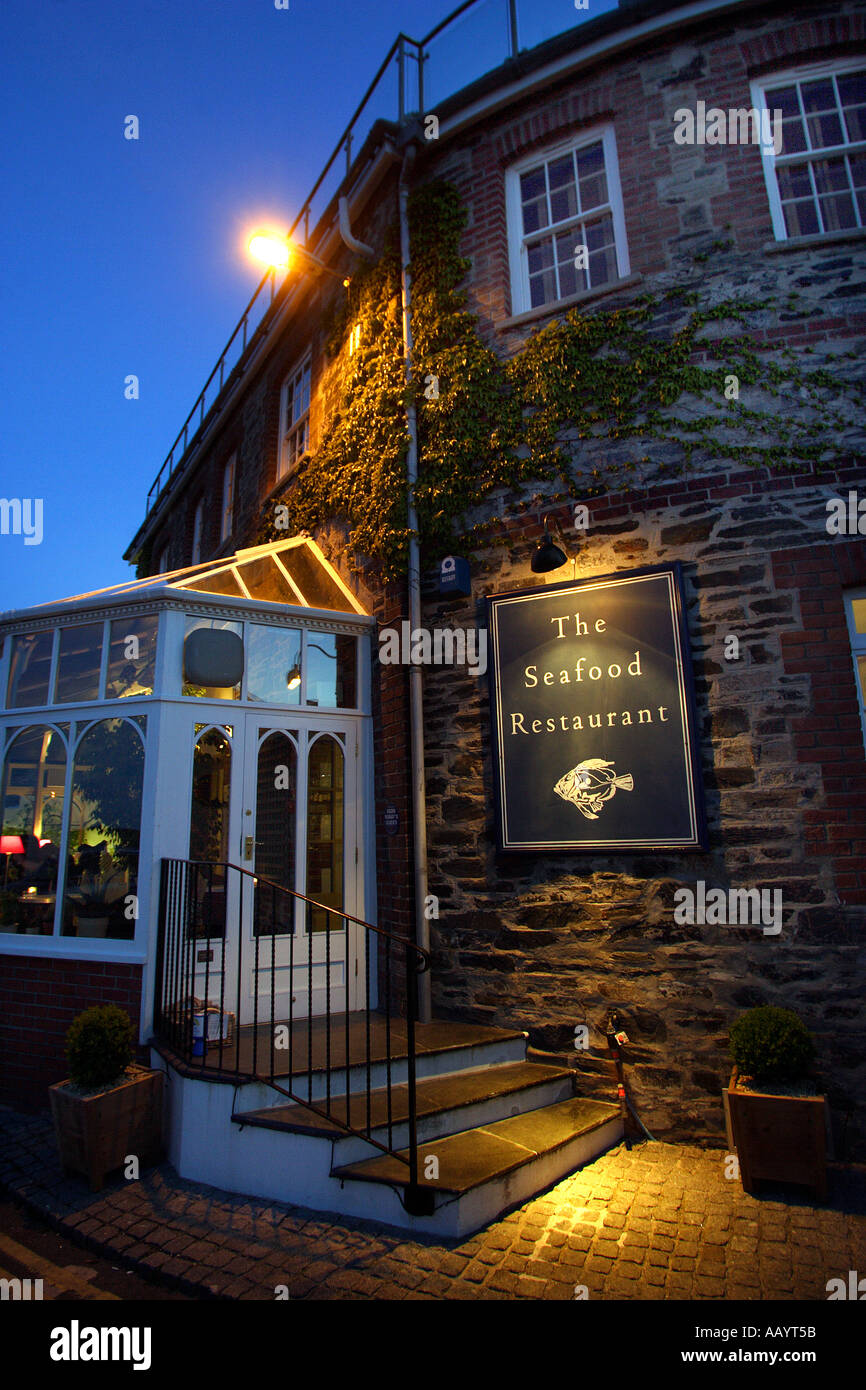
<point x="277" y="252"/>
<point x="272" y="249"/>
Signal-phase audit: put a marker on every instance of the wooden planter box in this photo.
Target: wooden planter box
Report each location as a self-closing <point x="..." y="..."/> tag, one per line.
<point x="778" y="1138"/>
<point x="96" y="1133"/>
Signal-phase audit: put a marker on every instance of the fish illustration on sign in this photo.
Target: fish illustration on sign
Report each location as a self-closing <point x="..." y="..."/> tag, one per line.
<point x="589" y="785"/>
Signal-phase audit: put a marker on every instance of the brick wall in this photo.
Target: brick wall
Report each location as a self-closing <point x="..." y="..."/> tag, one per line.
<point x="39" y="998"/>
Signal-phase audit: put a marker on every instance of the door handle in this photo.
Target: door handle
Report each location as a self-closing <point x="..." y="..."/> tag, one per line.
<point x="248" y="847"/>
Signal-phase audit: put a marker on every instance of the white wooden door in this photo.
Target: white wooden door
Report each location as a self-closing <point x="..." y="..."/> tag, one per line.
<point x="298" y="831"/>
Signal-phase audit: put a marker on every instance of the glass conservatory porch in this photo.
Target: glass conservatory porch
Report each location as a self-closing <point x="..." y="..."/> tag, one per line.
<point x="218" y="713"/>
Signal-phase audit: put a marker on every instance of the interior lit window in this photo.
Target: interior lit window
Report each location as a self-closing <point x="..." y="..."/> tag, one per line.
<point x="33" y="783"/>
<point x="104" y="832"/>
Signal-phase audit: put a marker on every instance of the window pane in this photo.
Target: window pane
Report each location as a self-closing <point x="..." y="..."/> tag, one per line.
<point x="563" y="194"/>
<point x="825" y="130"/>
<point x="599" y="234"/>
<point x="273" y="656"/>
<point x="801" y="219"/>
<point x="104" y="832"/>
<point x="325" y="832"/>
<point x="852" y="94"/>
<point x="78" y="663"/>
<point x="266" y="581"/>
<point x="29" y="670"/>
<point x="33" y="781"/>
<point x="593" y="181"/>
<point x="276" y="807"/>
<point x="209" y="830"/>
<point x="131" y="656"/>
<point x="331" y="661"/>
<point x="542" y="288"/>
<point x="794" y="181"/>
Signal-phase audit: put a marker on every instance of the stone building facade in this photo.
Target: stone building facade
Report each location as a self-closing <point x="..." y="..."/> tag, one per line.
<point x="548" y="942"/>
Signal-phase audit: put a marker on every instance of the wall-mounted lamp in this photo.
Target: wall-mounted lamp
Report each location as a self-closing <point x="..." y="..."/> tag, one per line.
<point x="548" y="556"/>
<point x="277" y="252"/>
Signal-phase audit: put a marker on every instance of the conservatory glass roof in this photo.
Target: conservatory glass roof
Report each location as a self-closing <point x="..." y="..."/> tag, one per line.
<point x="291" y="572"/>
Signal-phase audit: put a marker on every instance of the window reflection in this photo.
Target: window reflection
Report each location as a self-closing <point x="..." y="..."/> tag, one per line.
<point x="331" y="663"/>
<point x="209" y="829"/>
<point x="276" y="808"/>
<point x="104" y="831"/>
<point x="78" y="663"/>
<point x="29" y="670"/>
<point x="131" y="656"/>
<point x="34" y="776"/>
<point x="273" y="654"/>
<point x="325" y="832"/>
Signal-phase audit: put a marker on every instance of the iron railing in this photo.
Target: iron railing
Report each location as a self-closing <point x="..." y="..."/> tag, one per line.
<point x="199" y="906"/>
<point x="415" y="74"/>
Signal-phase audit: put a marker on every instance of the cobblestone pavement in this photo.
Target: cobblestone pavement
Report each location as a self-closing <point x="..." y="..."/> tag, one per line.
<point x="660" y="1221"/>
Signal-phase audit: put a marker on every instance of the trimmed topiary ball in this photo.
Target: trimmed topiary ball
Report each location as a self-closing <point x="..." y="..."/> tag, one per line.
<point x="771" y="1044"/>
<point x="99" y="1046"/>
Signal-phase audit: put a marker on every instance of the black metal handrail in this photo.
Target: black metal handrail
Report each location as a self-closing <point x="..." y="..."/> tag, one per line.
<point x="193" y="903"/>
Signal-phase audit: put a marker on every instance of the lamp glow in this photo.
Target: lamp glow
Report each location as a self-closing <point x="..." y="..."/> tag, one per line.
<point x="272" y="249"/>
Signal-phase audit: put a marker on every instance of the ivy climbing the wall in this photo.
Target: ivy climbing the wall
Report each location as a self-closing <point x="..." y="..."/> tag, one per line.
<point x="593" y="402"/>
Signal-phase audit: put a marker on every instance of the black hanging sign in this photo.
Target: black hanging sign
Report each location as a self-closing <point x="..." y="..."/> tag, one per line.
<point x="594" y="742"/>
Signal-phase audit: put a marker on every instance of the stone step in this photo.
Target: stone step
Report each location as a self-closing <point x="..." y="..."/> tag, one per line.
<point x="444" y="1104"/>
<point x="483" y="1172"/>
<point x="477" y="1156"/>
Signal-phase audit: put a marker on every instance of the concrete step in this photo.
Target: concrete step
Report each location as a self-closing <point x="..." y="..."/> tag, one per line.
<point x="445" y="1104"/>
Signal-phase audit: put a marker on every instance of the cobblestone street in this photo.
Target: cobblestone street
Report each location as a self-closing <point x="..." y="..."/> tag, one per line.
<point x="658" y="1222"/>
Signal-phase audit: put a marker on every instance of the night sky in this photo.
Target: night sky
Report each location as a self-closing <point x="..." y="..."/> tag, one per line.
<point x="125" y="257"/>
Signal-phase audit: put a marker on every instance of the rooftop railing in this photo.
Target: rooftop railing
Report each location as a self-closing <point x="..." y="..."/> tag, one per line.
<point x="413" y="77"/>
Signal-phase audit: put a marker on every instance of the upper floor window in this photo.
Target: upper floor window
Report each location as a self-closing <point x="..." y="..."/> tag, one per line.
<point x="228" y="502"/>
<point x="816" y="166"/>
<point x="162" y="560"/>
<point x="855" y="608"/>
<point x="197" y="525"/>
<point x="566" y="230"/>
<point x="294" y="418"/>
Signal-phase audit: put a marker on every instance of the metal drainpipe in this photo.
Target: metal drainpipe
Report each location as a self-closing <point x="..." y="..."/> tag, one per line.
<point x="416" y="693"/>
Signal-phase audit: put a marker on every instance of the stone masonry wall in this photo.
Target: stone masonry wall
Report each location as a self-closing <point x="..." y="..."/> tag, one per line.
<point x="551" y="941"/>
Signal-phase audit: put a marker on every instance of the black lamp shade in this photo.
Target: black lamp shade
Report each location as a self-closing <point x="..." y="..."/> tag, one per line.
<point x="547" y="557"/>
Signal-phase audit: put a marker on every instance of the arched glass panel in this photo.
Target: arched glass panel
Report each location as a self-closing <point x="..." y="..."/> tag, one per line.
<point x="34" y="776"/>
<point x="209" y="829"/>
<point x="276" y="812"/>
<point x="100" y="897"/>
<point x="325" y="830"/>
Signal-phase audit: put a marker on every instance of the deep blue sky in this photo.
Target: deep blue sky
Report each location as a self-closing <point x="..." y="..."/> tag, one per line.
<point x="120" y="256"/>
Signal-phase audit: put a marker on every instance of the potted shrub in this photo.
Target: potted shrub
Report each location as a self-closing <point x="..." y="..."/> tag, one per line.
<point x="776" y="1120"/>
<point x="110" y="1108"/>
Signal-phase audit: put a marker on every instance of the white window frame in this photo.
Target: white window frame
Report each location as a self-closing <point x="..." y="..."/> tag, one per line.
<point x="517" y="252"/>
<point x="290" y="429"/>
<point x="228" y="499"/>
<point x="807" y="73"/>
<point x="858" y="648"/>
<point x="197" y="528"/>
